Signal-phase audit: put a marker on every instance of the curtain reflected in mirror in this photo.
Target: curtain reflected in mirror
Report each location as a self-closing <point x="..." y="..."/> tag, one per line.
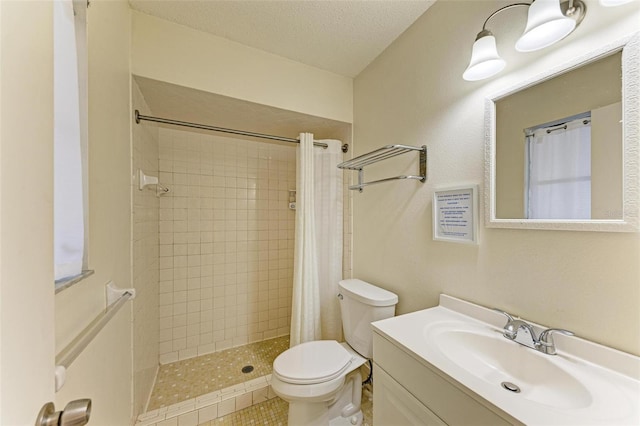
<point x="559" y="147"/>
<point x="558" y="169"/>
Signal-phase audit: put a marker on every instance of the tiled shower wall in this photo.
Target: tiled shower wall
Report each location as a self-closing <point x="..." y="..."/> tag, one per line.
<point x="226" y="242"/>
<point x="145" y="257"/>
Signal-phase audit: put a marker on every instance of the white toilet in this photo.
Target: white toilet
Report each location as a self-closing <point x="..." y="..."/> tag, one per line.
<point x="321" y="380"/>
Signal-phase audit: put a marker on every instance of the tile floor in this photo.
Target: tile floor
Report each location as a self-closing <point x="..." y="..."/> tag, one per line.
<point x="190" y="378"/>
<point x="274" y="413"/>
<point x="189" y="381"/>
<point x="271" y="413"/>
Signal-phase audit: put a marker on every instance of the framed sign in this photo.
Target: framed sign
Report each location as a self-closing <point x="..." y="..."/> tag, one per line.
<point x="455" y="214"/>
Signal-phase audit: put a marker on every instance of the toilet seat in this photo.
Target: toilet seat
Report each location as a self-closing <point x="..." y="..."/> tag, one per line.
<point x="312" y="362"/>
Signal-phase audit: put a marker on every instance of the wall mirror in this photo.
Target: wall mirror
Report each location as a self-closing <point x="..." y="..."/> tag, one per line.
<point x="562" y="149"/>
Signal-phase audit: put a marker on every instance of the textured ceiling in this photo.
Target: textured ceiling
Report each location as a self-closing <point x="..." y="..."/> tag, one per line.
<point x="339" y="36"/>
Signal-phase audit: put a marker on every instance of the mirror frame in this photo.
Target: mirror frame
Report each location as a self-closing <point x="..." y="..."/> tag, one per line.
<point x="630" y="221"/>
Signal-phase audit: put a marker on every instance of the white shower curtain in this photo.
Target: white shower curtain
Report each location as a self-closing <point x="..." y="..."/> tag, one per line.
<point x="559" y="181"/>
<point x="318" y="243"/>
<point x="305" y="304"/>
<point x="329" y="236"/>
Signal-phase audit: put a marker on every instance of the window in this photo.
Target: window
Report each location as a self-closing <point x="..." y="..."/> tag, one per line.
<point x="70" y="139"/>
<point x="558" y="172"/>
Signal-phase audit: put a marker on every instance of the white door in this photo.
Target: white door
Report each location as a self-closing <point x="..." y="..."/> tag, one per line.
<point x="27" y="350"/>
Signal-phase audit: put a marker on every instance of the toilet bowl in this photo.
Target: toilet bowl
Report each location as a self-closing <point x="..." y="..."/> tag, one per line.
<point x="321" y="379"/>
<point x="314" y="371"/>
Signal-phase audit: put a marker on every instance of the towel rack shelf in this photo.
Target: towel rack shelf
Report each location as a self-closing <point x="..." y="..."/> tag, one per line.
<point x="384" y="153"/>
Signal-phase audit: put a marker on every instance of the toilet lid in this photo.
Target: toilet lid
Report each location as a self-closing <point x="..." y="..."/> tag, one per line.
<point x="312" y="362"/>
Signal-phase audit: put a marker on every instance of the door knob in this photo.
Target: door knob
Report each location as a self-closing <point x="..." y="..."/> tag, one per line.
<point x="75" y="413"/>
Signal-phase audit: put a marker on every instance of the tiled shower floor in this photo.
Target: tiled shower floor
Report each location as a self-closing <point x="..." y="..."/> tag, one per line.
<point x="221" y="371"/>
<point x="190" y="378"/>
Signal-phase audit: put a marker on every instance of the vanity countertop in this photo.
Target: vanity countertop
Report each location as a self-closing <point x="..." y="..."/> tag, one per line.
<point x="584" y="384"/>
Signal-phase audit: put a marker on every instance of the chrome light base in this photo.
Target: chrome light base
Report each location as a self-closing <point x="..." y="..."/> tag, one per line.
<point x="574" y="9"/>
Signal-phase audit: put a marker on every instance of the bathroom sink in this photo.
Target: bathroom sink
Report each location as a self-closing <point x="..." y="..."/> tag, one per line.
<point x="583" y="384"/>
<point x="488" y="355"/>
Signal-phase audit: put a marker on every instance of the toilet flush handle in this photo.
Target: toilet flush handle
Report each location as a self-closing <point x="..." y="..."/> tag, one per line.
<point x="340" y="296"/>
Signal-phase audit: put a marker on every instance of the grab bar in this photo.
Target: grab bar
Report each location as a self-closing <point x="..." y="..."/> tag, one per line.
<point x="77" y="345"/>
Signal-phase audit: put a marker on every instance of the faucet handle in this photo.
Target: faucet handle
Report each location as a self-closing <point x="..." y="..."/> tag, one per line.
<point x="506" y="314"/>
<point x="545" y="340"/>
<point x="508" y="329"/>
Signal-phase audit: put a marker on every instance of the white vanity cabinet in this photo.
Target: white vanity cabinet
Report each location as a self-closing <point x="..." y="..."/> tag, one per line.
<point x="394" y="405"/>
<point x="410" y="392"/>
<point x="451" y="364"/>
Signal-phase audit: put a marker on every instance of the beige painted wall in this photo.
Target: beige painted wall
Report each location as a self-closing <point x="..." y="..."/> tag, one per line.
<point x="104" y="371"/>
<point x="606" y="167"/>
<point x="26" y="195"/>
<point x="587" y="88"/>
<point x="177" y="54"/>
<point x="145" y="248"/>
<point x="588" y="282"/>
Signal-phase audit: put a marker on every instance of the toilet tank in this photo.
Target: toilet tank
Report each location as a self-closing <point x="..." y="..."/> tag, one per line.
<point x="361" y="304"/>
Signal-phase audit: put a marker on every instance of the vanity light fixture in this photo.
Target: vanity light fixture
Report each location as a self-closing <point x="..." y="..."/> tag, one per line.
<point x="546" y="25"/>
<point x="548" y="22"/>
<point x="485" y="60"/>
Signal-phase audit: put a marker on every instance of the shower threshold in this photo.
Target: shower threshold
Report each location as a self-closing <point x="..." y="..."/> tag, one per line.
<point x="200" y="389"/>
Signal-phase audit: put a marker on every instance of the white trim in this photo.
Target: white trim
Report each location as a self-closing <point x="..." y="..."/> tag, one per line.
<point x="630" y="222"/>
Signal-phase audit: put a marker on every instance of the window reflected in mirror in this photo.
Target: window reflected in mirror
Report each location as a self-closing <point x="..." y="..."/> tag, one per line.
<point x="558" y="169"/>
<point x="559" y="146"/>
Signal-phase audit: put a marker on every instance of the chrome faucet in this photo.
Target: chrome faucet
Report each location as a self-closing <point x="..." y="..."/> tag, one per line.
<point x="522" y="332"/>
<point x="545" y="340"/>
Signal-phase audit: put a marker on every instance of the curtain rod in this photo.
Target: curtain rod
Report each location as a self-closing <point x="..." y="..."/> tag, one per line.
<point x="139" y="117"/>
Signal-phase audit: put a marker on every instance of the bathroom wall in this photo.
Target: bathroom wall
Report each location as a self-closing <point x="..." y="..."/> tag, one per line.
<point x="145" y="257"/>
<point x="169" y="52"/>
<point x="103" y="372"/>
<point x="26" y="246"/>
<point x="414" y="94"/>
<point x="226" y="242"/>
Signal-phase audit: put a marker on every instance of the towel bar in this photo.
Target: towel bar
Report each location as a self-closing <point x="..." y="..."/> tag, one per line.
<point x="384" y="153"/>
